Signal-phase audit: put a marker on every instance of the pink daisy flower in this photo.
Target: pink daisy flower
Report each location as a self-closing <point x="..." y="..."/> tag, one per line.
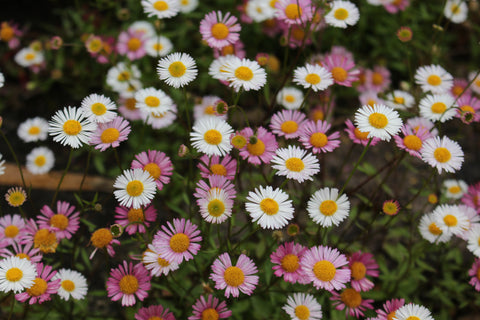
<point x="154" y="312"/>
<point x="43" y="286"/>
<point x="64" y="222"/>
<point x="342" y="69"/>
<point x="370" y="98"/>
<point x="103" y="239"/>
<point x="412" y="140"/>
<point x="389" y="308"/>
<point x="376" y="80"/>
<point x="474" y="272"/>
<point x="358" y="136"/>
<point x="396" y="6"/>
<point x="326" y="267"/>
<point x="313" y="136"/>
<point x="234" y="278"/>
<point x="214" y="165"/>
<point x="135" y="220"/>
<point x="179" y="241"/>
<point x="12" y="228"/>
<point x="418" y="123"/>
<point x="215" y="182"/>
<point x="155" y="264"/>
<point x="286" y="260"/>
<point x="23" y="251"/>
<point x="132" y="44"/>
<point x="127" y="106"/>
<point x="362" y="265"/>
<point x="219" y="30"/>
<point x="260" y="146"/>
<point x="287" y="123"/>
<point x="11" y="34"/>
<point x="471" y="198"/>
<point x="157" y="163"/>
<point x="42" y="238"/>
<point x="211" y="308"/>
<point x="128" y="281"/>
<point x="110" y="134"/>
<point x="470" y="104"/>
<point x="460" y="85"/>
<point x="236" y="49"/>
<point x="352" y="301"/>
<point x="294" y="11"/>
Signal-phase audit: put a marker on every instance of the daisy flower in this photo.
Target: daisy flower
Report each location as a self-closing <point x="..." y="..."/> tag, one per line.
<point x="412" y="311"/>
<point x="370" y="98"/>
<point x="157" y="164"/>
<point x="122" y="77"/>
<point x="127" y="282"/>
<point x="187" y="6"/>
<point x="351" y="300"/>
<point x="28" y="57"/>
<point x="472" y="197"/>
<point x="215" y="182"/>
<point x="326" y="268"/>
<point x="32" y="130"/>
<point x="211" y="308"/>
<point x="380" y="121"/>
<point x="287" y="123"/>
<point x="433" y="78"/>
<point x="468" y="104"/>
<point x="313" y="77"/>
<point x="98" y="108"/>
<point x="72" y="284"/>
<point x="43" y="239"/>
<point x="362" y="265"/>
<point x="342" y="14"/>
<point x="438" y="107"/>
<point x="211" y="136"/>
<point x="295" y="163"/>
<point x="161" y="8"/>
<point x="155" y="264"/>
<point x="400" y="100"/>
<point x="342" y="69"/>
<point x="132" y="44"/>
<point x="474" y="273"/>
<point x="43" y="287"/>
<point x="376" y="80"/>
<point x="473" y="240"/>
<point x="430" y="231"/>
<point x="64" y="222"/>
<point x="110" y="134"/>
<point x="143" y="27"/>
<point x="313" y="136"/>
<point x="412" y="140"/>
<point x="71" y="127"/>
<point x="154" y="312"/>
<point x="158" y="46"/>
<point x="389" y="309"/>
<point x="234" y="278"/>
<point x="294" y="11"/>
<point x="16" y="274"/>
<point x="443" y="154"/>
<point x="270" y="208"/>
<point x="290" y="98"/>
<point x="177" y="69"/>
<point x="215" y="165"/>
<point x="357" y="136"/>
<point x="207" y="108"/>
<point x="260" y="146"/>
<point x="456" y="11"/>
<point x="216" y="207"/>
<point x="286" y="260"/>
<point x="40" y="160"/>
<point x="327" y="208"/>
<point x="390" y="207"/>
<point x="303" y="306"/>
<point x="16" y="196"/>
<point x="23" y="251"/>
<point x="454" y="189"/>
<point x="136" y="188"/>
<point x="259" y="10"/>
<point x="418" y="123"/>
<point x="151" y="100"/>
<point x="103" y="239"/>
<point x="162" y="120"/>
<point x="243" y="74"/>
<point x="219" y="30"/>
<point x="128" y="108"/>
<point x="178" y="241"/>
<point x="135" y="220"/>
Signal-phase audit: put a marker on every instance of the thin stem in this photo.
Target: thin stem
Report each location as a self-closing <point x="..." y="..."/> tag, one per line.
<point x="117" y="159"/>
<point x="70" y="155"/>
<point x="85" y="172"/>
<point x="355" y="167"/>
<point x="11" y="307"/>
<point x="15" y="158"/>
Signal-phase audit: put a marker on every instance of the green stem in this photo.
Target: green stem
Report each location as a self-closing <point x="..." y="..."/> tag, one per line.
<point x="117" y="159"/>
<point x="62" y="177"/>
<point x="15" y="158"/>
<point x="355" y="167"/>
<point x="11" y="307"/>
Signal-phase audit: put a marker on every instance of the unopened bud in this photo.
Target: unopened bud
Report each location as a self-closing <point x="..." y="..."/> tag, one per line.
<point x="222" y="107"/>
<point x="293" y="229"/>
<point x="97" y="207"/>
<point x="116" y="230"/>
<point x="55" y="43"/>
<point x="183" y="150"/>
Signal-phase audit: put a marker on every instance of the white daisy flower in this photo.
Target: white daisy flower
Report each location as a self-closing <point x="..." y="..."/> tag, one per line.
<point x="70" y="127"/>
<point x="454" y="189"/>
<point x="28" y="57"/>
<point x="456" y="10"/>
<point x="177" y="69"/>
<point x="473" y="240"/>
<point x="161" y="9"/>
<point x="442" y="153"/>
<point x="2" y="165"/>
<point x="450" y="219"/>
<point x="295" y="163"/>
<point x="400" y="100"/>
<point x="162" y="120"/>
<point x="151" y="100"/>
<point x="433" y="78"/>
<point x="136" y="188"/>
<point x="40" y="160"/>
<point x="207" y="108"/>
<point x="217" y="68"/>
<point x="270" y="208"/>
<point x="430" y="231"/>
<point x="216" y="207"/>
<point x="259" y="10"/>
<point x="290" y="98"/>
<point x="72" y="284"/>
<point x="313" y="76"/>
<point x="143" y="27"/>
<point x="326" y="208"/>
<point x="243" y="73"/>
<point x="342" y="14"/>
<point x="211" y="136"/>
<point x="34" y="129"/>
<point x="303" y="306"/>
<point x="156" y="265"/>
<point x="16" y="274"/>
<point x="122" y="78"/>
<point x="98" y="108"/>
<point x="440" y="107"/>
<point x="187" y="6"/>
<point x="158" y="46"/>
<point x="472" y="76"/>
<point x="379" y="120"/>
<point x="2" y="80"/>
<point x="412" y="311"/>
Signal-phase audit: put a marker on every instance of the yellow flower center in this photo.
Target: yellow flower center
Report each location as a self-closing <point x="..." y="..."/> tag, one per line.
<point x="351" y="298"/>
<point x="318" y="140"/>
<point x="228" y="50"/>
<point x="294" y="164"/>
<point x="72" y="127"/>
<point x="177" y="69"/>
<point x="123" y="76"/>
<point x="157" y="47"/>
<point x="6" y="33"/>
<point x="29" y="56"/>
<point x="219" y="31"/>
<point x="339" y="74"/>
<point x="45" y="240"/>
<point x="256" y="149"/>
<point x="98" y="108"/>
<point x="213" y="136"/>
<point x="289" y="98"/>
<point x="413" y="318"/>
<point x="130" y="103"/>
<point x="16" y="199"/>
<point x="450" y="220"/>
<point x="101" y="238"/>
<point x="302" y="312"/>
<point x="442" y="155"/>
<point x="390" y="208"/>
<point x="434" y="80"/>
<point x="59" y="221"/>
<point x="210" y="110"/>
<point x="244" y="73"/>
<point x="269" y="206"/>
<point x="155" y="318"/>
<point x="160" y="5"/>
<point x="391" y="315"/>
<point x="40" y="161"/>
<point x="290" y="263"/>
<point x="95" y="45"/>
<point x="163" y="262"/>
<point x="412" y="142"/>
<point x="298" y="34"/>
<point x="234" y="276"/>
<point x="377" y="79"/>
<point x="179" y="242"/>
<point x="289" y="126"/>
<point x="135" y="215"/>
<point x="134" y="188"/>
<point x="433" y="229"/>
<point x="399" y="100"/>
<point x="152" y="101"/>
<point x="360" y="134"/>
<point x="22" y="255"/>
<point x="128" y="284"/>
<point x="292" y="11"/>
<point x="328" y="207"/>
<point x="11" y="231"/>
<point x="378" y="120"/>
<point x="134" y="44"/>
<point x="324" y="270"/>
<point x="218" y="169"/>
<point x="68" y="285"/>
<point x="313" y="78"/>
<point x="438" y="107"/>
<point x="153" y="169"/>
<point x="358" y="270"/>
<point x="341" y="14"/>
<point x="14" y="274"/>
<point x="39" y="287"/>
<point x="109" y="135"/>
<point x="454" y="189"/>
<point x="318" y="115"/>
<point x="239" y="141"/>
<point x="210" y="314"/>
<point x="432" y="198"/>
<point x="467" y="109"/>
<point x="216" y="208"/>
<point x="34" y="130"/>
